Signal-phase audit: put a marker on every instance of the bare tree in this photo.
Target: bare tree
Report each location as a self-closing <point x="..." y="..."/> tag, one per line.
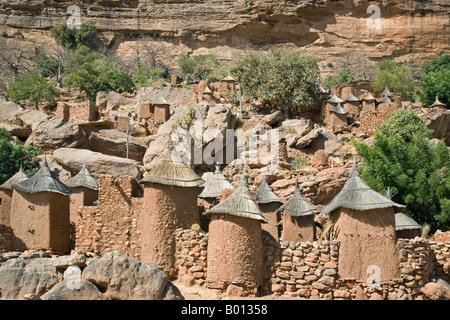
<point x="362" y="68"/>
<point x="59" y="54"/>
<point x="15" y="58"/>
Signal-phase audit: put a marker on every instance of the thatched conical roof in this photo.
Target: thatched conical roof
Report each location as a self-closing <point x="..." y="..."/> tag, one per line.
<point x="339" y="109"/>
<point x="437" y="103"/>
<point x="84" y="178"/>
<point x="386" y="92"/>
<point x="161" y="102"/>
<point x="385" y="100"/>
<point x="335" y="99"/>
<point x="368" y="97"/>
<point x="215" y="185"/>
<point x="43" y="181"/>
<point x="403" y="222"/>
<point x="357" y="195"/>
<point x="297" y="205"/>
<point x="171" y="171"/>
<point x="351" y="98"/>
<point x="18" y="177"/>
<point x="240" y="203"/>
<point x="207" y="90"/>
<point x="265" y="193"/>
<point x="228" y="78"/>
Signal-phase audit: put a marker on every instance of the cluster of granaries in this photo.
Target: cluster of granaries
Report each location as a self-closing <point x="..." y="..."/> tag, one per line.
<point x="37" y="211"/>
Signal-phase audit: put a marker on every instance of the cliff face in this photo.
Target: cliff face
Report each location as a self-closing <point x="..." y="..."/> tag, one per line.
<point x="415" y="31"/>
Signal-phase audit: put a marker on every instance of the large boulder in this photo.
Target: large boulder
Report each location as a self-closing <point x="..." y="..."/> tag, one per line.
<point x="214" y="121"/>
<point x="124" y="278"/>
<point x="440" y="124"/>
<point x="26" y="279"/>
<point x="55" y="133"/>
<point x="73" y="160"/>
<point x="439" y="290"/>
<point x="114" y="142"/>
<point x="68" y="290"/>
<point x="111" y="100"/>
<point x="9" y="109"/>
<point x="18" y="131"/>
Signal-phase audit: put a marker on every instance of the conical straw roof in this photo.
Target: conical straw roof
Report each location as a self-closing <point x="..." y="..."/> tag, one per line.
<point x="335" y="99"/>
<point x="403" y="222"/>
<point x="84" y="178"/>
<point x="357" y="195"/>
<point x="351" y="98"/>
<point x="240" y="203"/>
<point x="297" y="205"/>
<point x="215" y="185"/>
<point x="161" y="101"/>
<point x="228" y="78"/>
<point x="385" y="100"/>
<point x="437" y="103"/>
<point x="265" y="193"/>
<point x="207" y="90"/>
<point x="386" y="92"/>
<point x="368" y="97"/>
<point x="18" y="177"/>
<point x="339" y="109"/>
<point x="43" y="181"/>
<point x="171" y="171"/>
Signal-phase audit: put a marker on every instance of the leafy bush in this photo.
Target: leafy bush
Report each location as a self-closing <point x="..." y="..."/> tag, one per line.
<point x="197" y="67"/>
<point x="344" y="76"/>
<point x="99" y="75"/>
<point x="13" y="154"/>
<point x="406" y="123"/>
<point x="283" y="78"/>
<point x="145" y="77"/>
<point x="74" y="37"/>
<point x="416" y="169"/>
<point x="435" y="81"/>
<point x="397" y="77"/>
<point x="32" y="87"/>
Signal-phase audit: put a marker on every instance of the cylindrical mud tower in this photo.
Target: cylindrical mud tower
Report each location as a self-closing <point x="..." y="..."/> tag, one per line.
<point x="170" y="202"/>
<point x="269" y="203"/>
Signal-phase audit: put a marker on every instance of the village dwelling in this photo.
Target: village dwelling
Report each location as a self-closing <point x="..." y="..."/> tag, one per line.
<point x="368" y="102"/>
<point x="170" y="202"/>
<point x="207" y="94"/>
<point x="161" y="110"/>
<point x="146" y="110"/>
<point x="352" y="104"/>
<point x="269" y="204"/>
<point x="406" y="227"/>
<point x="364" y="225"/>
<point x="210" y="195"/>
<point x="330" y="105"/>
<point x="298" y="218"/>
<point x="40" y="213"/>
<point x="230" y="83"/>
<point x="84" y="191"/>
<point x="235" y="249"/>
<point x="338" y="117"/>
<point x="6" y="193"/>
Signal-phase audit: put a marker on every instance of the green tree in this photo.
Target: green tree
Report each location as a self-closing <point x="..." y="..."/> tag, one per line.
<point x="197" y="67"/>
<point x="13" y="155"/>
<point x="145" y="77"/>
<point x="406" y="123"/>
<point x="33" y="88"/>
<point x="85" y="33"/>
<point x="283" y="78"/>
<point x="345" y="76"/>
<point x="397" y="77"/>
<point x="416" y="169"/>
<point x="70" y="38"/>
<point x="435" y="81"/>
<point x="99" y="75"/>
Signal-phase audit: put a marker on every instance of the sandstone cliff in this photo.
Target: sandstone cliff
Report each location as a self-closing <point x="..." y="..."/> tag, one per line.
<point x="415" y="31"/>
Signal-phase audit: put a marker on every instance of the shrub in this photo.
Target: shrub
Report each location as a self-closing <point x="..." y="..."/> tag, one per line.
<point x="416" y="170"/>
<point x="33" y="88"/>
<point x="283" y="78"/>
<point x="13" y="155"/>
<point x="435" y="81"/>
<point x="145" y="77"/>
<point x="344" y="76"/>
<point x="397" y="77"/>
<point x="197" y="67"/>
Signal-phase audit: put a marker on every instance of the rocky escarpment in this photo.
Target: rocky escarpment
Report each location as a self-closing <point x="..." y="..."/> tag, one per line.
<point x="416" y="31"/>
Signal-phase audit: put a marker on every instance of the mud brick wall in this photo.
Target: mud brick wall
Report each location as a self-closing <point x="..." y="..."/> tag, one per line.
<point x="113" y="224"/>
<point x="369" y="121"/>
<point x="5" y="238"/>
<point x="77" y="113"/>
<point x="191" y="255"/>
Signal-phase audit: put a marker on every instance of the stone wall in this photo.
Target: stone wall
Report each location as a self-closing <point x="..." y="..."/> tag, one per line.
<point x="369" y="121"/>
<point x="77" y="112"/>
<point x="310" y="270"/>
<point x="113" y="224"/>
